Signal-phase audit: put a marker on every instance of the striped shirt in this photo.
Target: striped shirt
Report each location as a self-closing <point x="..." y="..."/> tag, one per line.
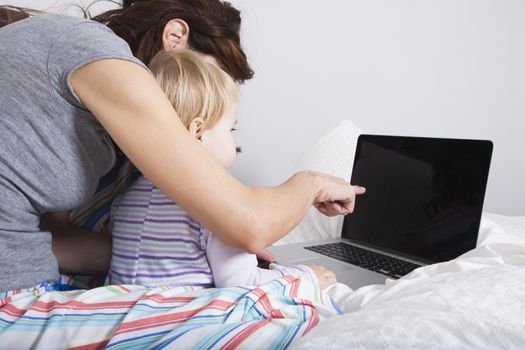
<point x="156" y="243"/>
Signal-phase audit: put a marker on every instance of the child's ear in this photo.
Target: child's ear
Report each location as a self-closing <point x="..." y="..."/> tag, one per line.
<point x="196" y="128"/>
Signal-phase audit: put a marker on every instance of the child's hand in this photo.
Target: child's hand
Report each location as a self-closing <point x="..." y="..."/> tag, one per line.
<point x="325" y="277"/>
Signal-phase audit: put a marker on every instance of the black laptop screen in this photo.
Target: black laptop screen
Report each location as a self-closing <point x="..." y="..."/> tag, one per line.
<point x="424" y="195"/>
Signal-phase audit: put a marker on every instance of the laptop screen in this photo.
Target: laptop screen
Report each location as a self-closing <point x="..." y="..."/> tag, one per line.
<point x="424" y="196"/>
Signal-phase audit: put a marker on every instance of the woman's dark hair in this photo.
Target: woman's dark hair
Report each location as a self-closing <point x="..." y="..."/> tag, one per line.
<point x="214" y="28"/>
<point x="10" y="14"/>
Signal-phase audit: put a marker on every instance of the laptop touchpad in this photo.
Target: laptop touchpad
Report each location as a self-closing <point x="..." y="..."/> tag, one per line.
<point x="330" y="264"/>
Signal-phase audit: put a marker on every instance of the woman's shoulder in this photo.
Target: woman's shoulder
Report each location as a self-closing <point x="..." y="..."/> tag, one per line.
<point x="49" y="23"/>
<point x="48" y="31"/>
<point x="52" y="29"/>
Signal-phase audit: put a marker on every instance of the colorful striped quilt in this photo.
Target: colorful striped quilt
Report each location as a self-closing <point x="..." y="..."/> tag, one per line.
<point x="271" y="316"/>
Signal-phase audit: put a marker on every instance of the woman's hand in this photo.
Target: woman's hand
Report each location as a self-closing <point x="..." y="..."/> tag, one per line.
<point x="335" y="195"/>
<point x="264" y="259"/>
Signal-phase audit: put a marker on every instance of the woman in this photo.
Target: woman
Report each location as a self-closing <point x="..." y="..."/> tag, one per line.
<point x="68" y="85"/>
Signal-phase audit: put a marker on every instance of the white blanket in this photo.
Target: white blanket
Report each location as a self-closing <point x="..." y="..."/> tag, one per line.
<point x="476" y="301"/>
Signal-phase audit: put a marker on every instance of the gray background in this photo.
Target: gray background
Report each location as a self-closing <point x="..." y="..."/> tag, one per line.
<point x="448" y="68"/>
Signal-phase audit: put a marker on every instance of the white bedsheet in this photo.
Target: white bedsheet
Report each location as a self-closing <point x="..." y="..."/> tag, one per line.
<point x="476" y="301"/>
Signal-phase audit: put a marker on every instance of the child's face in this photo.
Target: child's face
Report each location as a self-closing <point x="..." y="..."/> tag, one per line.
<point x="218" y="140"/>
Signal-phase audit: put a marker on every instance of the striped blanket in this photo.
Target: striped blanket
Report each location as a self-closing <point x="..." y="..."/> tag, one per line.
<point x="271" y="316"/>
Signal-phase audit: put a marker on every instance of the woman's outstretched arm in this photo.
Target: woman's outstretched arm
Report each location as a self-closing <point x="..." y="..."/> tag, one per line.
<point x="127" y="101"/>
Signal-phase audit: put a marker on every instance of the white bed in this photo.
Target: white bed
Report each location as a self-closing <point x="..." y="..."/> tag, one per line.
<point x="476" y="301"/>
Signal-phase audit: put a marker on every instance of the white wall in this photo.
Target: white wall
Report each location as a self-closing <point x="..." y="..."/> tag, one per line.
<point x="450" y="68"/>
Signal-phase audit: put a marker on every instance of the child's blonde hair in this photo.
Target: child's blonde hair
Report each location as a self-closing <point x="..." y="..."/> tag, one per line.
<point x="194" y="87"/>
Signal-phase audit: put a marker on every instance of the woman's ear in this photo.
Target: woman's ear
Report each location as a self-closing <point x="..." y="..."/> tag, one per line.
<point x="175" y="35"/>
<point x="196" y="128"/>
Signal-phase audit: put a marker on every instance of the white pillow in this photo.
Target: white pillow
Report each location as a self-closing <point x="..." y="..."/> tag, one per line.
<point x="332" y="154"/>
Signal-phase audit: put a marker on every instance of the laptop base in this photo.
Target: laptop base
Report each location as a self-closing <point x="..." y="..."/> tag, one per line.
<point x="353" y="276"/>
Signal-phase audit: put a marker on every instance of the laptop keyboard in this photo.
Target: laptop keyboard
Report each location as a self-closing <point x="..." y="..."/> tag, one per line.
<point x="366" y="259"/>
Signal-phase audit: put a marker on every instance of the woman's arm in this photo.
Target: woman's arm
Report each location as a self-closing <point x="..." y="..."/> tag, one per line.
<point x="78" y="251"/>
<point x="133" y="109"/>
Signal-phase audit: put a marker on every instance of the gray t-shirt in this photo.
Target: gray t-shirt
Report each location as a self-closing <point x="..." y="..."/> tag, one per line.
<point x="52" y="149"/>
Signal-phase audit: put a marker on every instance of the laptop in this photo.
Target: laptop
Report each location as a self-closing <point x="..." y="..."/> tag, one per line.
<point x="422" y="206"/>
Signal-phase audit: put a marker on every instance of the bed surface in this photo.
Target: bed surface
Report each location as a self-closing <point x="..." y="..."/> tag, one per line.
<point x="474" y="301"/>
